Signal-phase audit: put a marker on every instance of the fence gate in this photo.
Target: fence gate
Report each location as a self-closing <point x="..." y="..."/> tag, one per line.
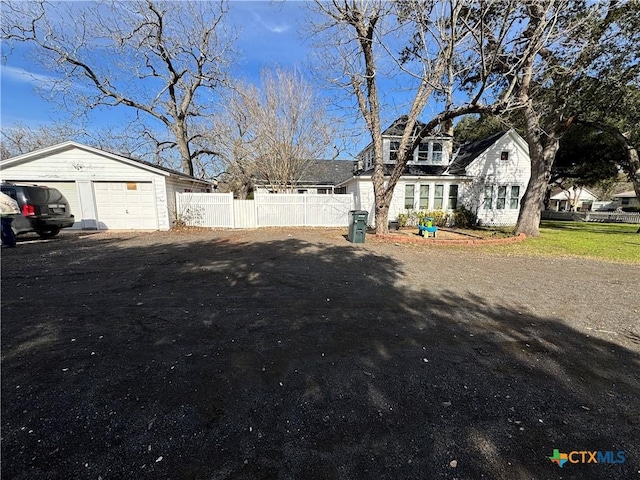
<point x="267" y="210"/>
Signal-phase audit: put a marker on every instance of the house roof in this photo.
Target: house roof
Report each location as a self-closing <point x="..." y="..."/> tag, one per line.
<point x="60" y="147"/>
<point x="629" y="194"/>
<point x="327" y="172"/>
<point x="560" y="194"/>
<point x="470" y="151"/>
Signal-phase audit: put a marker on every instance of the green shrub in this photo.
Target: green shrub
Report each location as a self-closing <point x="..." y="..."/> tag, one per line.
<point x="464" y="218"/>
<point x="414" y="218"/>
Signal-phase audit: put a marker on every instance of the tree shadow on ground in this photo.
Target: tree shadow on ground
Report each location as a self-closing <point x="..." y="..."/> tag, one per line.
<point x="286" y="359"/>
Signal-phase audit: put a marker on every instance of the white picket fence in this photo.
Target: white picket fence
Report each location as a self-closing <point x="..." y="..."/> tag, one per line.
<point x="268" y="210"/>
<point x="618" y="217"/>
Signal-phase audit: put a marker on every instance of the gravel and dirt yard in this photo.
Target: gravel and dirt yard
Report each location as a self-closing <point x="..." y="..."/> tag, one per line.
<point x="294" y="354"/>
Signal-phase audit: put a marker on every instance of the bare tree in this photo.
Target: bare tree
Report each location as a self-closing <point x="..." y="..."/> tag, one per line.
<point x="271" y="134"/>
<point x="160" y="58"/>
<point x="19" y="139"/>
<point x="469" y="51"/>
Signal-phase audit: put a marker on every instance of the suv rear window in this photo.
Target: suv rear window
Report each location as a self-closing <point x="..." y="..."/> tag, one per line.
<point x="43" y="196"/>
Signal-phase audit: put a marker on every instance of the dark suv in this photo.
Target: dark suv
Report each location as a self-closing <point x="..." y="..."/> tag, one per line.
<point x="43" y="210"/>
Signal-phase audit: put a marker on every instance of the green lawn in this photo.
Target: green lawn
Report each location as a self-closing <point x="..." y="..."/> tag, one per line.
<point x="615" y="242"/>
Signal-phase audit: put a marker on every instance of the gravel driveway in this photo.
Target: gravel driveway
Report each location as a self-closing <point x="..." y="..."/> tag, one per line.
<point x="293" y="354"/>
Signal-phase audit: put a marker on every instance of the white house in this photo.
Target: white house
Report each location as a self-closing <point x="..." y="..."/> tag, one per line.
<point x="104" y="190"/>
<point x="626" y="199"/>
<point x="574" y="199"/>
<point x="488" y="177"/>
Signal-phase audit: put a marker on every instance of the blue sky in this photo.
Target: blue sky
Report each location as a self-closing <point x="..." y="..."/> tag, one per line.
<point x="268" y="36"/>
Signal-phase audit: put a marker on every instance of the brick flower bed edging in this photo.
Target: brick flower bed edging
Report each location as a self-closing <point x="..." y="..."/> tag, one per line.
<point x="456" y="241"/>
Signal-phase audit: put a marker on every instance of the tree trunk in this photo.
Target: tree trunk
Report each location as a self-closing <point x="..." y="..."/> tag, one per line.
<point x="186" y="163"/>
<point x="634" y="171"/>
<point x="541" y="163"/>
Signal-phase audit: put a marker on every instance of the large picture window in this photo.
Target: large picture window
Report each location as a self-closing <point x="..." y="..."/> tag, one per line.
<point x="452" y="204"/>
<point x="409" y="196"/>
<point x="438" y="197"/>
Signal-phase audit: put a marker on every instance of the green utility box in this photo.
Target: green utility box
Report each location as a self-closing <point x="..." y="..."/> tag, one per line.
<point x="357" y="225"/>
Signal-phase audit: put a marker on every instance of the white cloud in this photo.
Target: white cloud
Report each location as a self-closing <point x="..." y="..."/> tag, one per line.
<point x="21" y="75"/>
<point x="271" y="26"/>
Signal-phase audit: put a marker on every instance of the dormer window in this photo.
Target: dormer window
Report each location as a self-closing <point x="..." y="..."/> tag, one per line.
<point x="436" y="154"/>
<point x="393" y="150"/>
<point x="423" y="152"/>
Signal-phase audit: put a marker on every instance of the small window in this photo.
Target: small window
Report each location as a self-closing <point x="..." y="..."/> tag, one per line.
<point x="132" y="186"/>
<point x="504" y="155"/>
<point x="324" y="191"/>
<point x="302" y="190"/>
<point x="436" y="154"/>
<point x="488" y="198"/>
<point x="501" y="202"/>
<point x="424" y="197"/>
<point x="438" y="197"/>
<point x="453" y="197"/>
<point x="423" y="152"/>
<point x="393" y="150"/>
<point x="340" y="190"/>
<point x="514" y="200"/>
<point x="409" y="196"/>
<point x="625" y="201"/>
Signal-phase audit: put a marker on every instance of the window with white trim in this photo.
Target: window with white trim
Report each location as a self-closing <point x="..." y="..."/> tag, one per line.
<point x="438" y="197"/>
<point x="501" y="201"/>
<point x="409" y="196"/>
<point x="452" y="204"/>
<point x="436" y="153"/>
<point x="423" y="152"/>
<point x="393" y="150"/>
<point x="488" y="197"/>
<point x="514" y="199"/>
<point x="424" y="197"/>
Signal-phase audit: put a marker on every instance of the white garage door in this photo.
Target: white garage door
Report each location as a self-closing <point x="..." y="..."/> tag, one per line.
<point x="70" y="191"/>
<point x="126" y="205"/>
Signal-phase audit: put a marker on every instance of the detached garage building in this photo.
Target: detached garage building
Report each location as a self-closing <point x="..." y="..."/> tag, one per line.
<point x="104" y="190"/>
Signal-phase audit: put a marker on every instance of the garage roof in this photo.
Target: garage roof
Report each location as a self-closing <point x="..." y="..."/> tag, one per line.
<point x="60" y="147"/>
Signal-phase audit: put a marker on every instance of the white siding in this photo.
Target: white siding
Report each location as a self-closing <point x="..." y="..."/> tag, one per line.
<point x="84" y="168"/>
<point x="489" y="170"/>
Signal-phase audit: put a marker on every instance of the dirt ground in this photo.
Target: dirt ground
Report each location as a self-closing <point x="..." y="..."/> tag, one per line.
<point x="294" y="354"/>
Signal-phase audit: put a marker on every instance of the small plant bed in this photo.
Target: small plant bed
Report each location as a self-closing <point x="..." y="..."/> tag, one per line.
<point x="450" y="236"/>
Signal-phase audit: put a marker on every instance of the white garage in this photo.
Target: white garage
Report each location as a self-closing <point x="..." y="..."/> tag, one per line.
<point x="105" y="191"/>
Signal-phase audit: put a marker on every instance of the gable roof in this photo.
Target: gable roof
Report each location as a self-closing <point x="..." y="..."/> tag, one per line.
<point x="470" y="151"/>
<point x="629" y="194"/>
<point x="61" y="147"/>
<point x="563" y="194"/>
<point x="327" y="172"/>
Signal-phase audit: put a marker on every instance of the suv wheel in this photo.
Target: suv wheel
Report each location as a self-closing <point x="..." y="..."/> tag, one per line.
<point x="52" y="232"/>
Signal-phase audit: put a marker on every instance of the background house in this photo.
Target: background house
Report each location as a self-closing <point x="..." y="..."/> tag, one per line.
<point x="318" y="177"/>
<point x="488" y="177"/>
<point x="104" y="190"/>
<point x="626" y="199"/>
<point x="575" y="199"/>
